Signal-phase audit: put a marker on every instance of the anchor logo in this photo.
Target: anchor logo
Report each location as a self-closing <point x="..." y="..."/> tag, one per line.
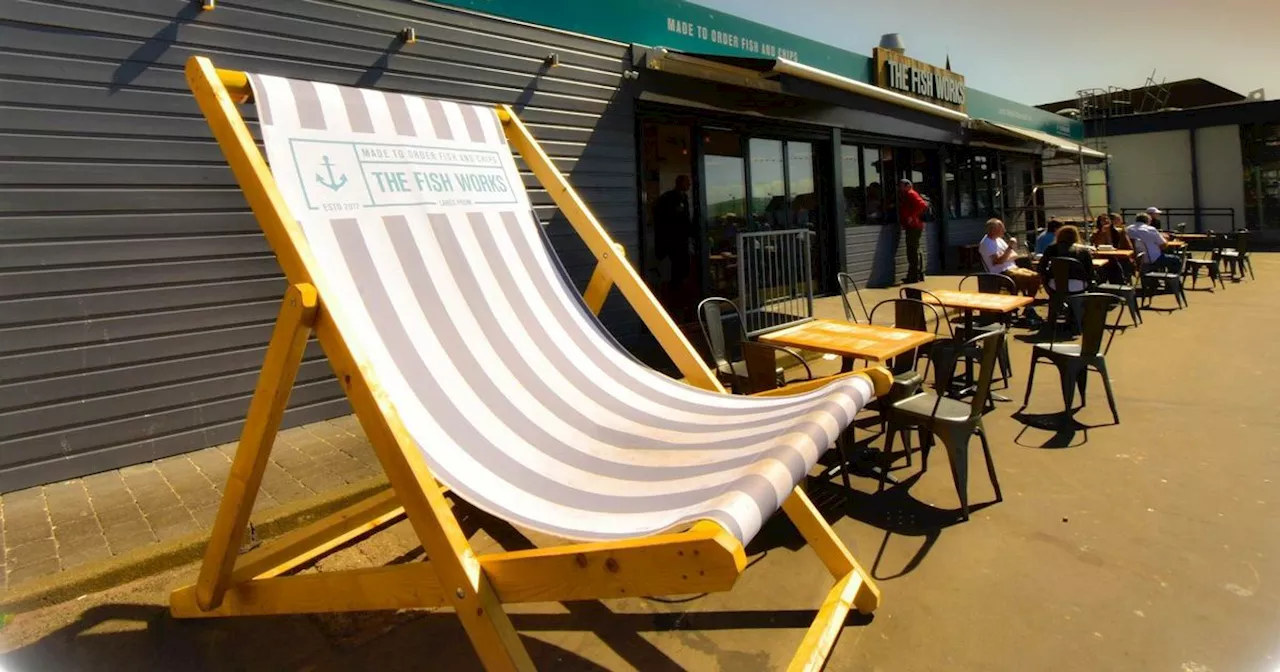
<point x="334" y="183"/>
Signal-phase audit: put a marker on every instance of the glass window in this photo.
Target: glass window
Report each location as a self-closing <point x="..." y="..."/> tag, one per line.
<point x="964" y="188"/>
<point x="800" y="186"/>
<point x="768" y="191"/>
<point x="876" y="194"/>
<point x="982" y="186"/>
<point x="726" y="191"/>
<point x="855" y="205"/>
<point x="953" y="197"/>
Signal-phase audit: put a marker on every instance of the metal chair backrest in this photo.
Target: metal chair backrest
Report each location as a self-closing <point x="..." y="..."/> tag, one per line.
<point x="918" y="294"/>
<point x="847" y="283"/>
<point x="908" y="314"/>
<point x="991" y="283"/>
<point x="711" y="315"/>
<point x="990" y="343"/>
<point x="1093" y="322"/>
<point x="1242" y="241"/>
<point x="1063" y="270"/>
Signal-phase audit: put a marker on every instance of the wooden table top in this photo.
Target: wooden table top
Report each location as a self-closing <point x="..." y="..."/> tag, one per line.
<point x="1175" y="244"/>
<point x="1099" y="263"/>
<point x="1113" y="254"/>
<point x="1193" y="236"/>
<point x="860" y="341"/>
<point x="991" y="303"/>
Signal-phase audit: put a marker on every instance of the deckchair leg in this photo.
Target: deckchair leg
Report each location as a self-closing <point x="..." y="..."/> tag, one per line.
<point x="275" y="383"/>
<point x="854" y="587"/>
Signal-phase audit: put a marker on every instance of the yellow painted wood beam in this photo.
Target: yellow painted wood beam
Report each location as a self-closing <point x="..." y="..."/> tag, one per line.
<point x="270" y="398"/>
<point x="705" y="559"/>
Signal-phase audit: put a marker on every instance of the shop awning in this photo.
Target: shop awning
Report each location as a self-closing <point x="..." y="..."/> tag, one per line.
<point x="1038" y="137"/>
<point x="763" y="73"/>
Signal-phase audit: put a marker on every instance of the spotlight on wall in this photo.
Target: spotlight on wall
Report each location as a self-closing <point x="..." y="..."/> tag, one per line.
<point x="552" y="60"/>
<point x="409" y="35"/>
<point x="207" y="5"/>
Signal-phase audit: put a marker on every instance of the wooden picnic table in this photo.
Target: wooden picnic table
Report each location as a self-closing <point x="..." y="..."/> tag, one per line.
<point x="871" y="342"/>
<point x="969" y="303"/>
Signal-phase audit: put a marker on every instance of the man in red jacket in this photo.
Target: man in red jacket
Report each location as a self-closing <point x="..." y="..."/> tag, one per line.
<point x="911" y="205"/>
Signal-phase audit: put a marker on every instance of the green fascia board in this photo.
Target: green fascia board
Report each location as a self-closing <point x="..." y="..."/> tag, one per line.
<point x="685" y="26"/>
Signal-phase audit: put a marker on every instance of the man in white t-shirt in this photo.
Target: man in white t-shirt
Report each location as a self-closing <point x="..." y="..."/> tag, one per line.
<point x="998" y="256"/>
<point x="1148" y="240"/>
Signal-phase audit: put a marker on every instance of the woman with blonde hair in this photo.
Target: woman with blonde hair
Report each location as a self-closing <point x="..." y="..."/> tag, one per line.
<point x="1068" y="245"/>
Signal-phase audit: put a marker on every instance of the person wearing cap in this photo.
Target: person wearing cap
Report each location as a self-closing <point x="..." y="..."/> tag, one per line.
<point x="1153" y="214"/>
<point x="1147" y="240"/>
<point x="911" y="205"/>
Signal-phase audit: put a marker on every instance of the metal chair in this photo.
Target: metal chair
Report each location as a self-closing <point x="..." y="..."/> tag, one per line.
<point x="1062" y="271"/>
<point x="1160" y="283"/>
<point x="848" y="283"/>
<point x="953" y="421"/>
<point x="1237" y="258"/>
<point x="947" y="355"/>
<point x="1075" y="360"/>
<point x="711" y="317"/>
<point x="912" y="314"/>
<point x="1211" y="263"/>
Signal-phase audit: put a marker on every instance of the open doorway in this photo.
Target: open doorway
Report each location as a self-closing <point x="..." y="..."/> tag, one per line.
<point x="669" y="234"/>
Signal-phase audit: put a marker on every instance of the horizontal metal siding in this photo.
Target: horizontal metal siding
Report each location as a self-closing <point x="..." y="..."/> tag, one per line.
<point x="136" y="290"/>
<point x="870" y="256"/>
<point x="1064" y="202"/>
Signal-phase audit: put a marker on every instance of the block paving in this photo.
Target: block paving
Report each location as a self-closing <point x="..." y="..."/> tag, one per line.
<point x="52" y="528"/>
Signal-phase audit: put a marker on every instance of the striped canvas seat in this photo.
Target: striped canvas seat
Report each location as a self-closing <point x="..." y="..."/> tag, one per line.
<point x="438" y="275"/>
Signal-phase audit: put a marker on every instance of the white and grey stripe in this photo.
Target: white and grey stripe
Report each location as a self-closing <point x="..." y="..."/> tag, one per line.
<point x="517" y="399"/>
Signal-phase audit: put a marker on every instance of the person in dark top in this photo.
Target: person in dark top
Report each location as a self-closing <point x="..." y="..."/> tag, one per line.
<point x="673" y="229"/>
<point x="1067" y="244"/>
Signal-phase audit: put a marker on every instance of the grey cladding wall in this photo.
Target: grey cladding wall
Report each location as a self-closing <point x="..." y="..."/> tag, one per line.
<point x="136" y="292"/>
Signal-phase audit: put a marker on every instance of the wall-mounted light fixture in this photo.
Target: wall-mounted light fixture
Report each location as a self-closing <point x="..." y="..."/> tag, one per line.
<point x="409" y="35"/>
<point x="552" y="60"/>
<point x="207" y="5"/>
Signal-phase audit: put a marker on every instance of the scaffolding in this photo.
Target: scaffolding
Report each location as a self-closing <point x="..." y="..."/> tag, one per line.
<point x="1026" y="208"/>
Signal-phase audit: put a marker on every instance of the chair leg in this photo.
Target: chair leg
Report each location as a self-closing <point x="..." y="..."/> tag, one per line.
<point x="1133" y="308"/>
<point x="1006" y="365"/>
<point x="957" y="445"/>
<point x="1106" y="383"/>
<point x="1031" y="379"/>
<point x="842" y="444"/>
<point x="888" y="450"/>
<point x="1082" y="382"/>
<point x="1249" y="265"/>
<point x="991" y="465"/>
<point x="1068" y="392"/>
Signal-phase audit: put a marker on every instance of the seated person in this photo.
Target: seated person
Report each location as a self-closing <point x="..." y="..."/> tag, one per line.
<point x="1068" y="245"/>
<point x="1119" y="238"/>
<point x="1102" y="232"/>
<point x="1050" y="234"/>
<point x="998" y="256"/>
<point x="1147" y="240"/>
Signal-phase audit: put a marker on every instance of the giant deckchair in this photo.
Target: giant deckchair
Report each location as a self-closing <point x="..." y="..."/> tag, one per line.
<point x="412" y="252"/>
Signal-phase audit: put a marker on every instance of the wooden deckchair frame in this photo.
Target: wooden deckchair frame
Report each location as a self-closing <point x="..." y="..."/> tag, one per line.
<point x="704" y="558"/>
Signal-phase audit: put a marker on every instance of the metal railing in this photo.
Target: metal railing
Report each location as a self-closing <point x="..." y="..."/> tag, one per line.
<point x="1209" y="219"/>
<point x="775" y="279"/>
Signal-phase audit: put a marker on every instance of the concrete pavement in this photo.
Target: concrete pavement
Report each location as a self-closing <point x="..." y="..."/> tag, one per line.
<point x="1149" y="545"/>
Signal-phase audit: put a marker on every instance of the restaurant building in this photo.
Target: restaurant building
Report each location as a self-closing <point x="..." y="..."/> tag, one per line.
<point x="1207" y="155"/>
<point x="137" y="293"/>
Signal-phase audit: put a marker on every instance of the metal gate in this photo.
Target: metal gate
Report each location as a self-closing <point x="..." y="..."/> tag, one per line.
<point x="775" y="278"/>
